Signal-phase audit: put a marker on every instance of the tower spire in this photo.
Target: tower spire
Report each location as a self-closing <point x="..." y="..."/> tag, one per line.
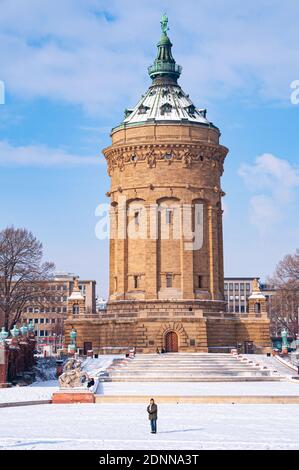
<point x="164" y="65"/>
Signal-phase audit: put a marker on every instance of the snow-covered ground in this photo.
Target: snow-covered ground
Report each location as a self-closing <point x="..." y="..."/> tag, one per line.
<point x="42" y="390"/>
<point x="127" y="427"/>
<point x="34" y="392"/>
<point x="198" y="388"/>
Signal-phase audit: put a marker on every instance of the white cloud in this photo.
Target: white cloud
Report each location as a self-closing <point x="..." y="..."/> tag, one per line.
<point x="275" y="181"/>
<point x="41" y="156"/>
<point x="69" y="51"/>
<point x="264" y="212"/>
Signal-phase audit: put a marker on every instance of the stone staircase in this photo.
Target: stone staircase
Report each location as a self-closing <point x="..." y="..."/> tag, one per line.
<point x="188" y="367"/>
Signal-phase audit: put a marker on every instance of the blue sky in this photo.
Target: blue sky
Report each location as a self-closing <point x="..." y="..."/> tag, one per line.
<point x="71" y="67"/>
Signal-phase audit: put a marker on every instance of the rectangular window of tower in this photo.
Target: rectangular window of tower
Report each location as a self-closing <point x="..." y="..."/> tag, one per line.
<point x="168" y="280"/>
<point x="168" y="216"/>
<point x="136" y="282"/>
<point x="199" y="282"/>
<point x="137" y="217"/>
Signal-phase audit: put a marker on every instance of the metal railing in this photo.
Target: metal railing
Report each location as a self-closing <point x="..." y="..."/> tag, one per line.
<point x="164" y="67"/>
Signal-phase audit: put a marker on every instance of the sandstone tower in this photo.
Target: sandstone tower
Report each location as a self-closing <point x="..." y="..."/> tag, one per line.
<point x="165" y="160"/>
<point x="166" y="246"/>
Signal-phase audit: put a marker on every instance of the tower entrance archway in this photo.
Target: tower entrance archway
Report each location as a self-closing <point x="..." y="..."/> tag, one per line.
<point x="171" y="342"/>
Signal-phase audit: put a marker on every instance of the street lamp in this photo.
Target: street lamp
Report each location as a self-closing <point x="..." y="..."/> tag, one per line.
<point x="3" y="334"/>
<point x="31" y="327"/>
<point x="72" y="346"/>
<point x="284" y="340"/>
<point x="23" y="330"/>
<point x="15" y="332"/>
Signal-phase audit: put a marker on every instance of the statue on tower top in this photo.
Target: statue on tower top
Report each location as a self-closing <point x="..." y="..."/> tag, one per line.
<point x="164" y="24"/>
<point x="255" y="286"/>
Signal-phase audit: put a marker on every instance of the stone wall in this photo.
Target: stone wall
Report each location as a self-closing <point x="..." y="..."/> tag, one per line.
<point x="238" y="329"/>
<point x="144" y="325"/>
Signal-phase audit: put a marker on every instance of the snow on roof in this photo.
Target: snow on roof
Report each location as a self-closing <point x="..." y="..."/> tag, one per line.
<point x="165" y="103"/>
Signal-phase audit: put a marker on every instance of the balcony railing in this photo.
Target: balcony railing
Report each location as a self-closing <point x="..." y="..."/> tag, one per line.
<point x="164" y="67"/>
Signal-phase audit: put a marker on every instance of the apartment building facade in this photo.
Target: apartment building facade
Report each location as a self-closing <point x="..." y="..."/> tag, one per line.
<point x="237" y="291"/>
<point x="48" y="314"/>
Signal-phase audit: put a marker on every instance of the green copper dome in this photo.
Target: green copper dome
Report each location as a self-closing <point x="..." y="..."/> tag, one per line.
<point x="164" y="64"/>
<point x="165" y="101"/>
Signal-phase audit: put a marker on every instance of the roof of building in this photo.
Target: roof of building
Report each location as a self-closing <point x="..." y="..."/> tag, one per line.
<point x="165" y="101"/>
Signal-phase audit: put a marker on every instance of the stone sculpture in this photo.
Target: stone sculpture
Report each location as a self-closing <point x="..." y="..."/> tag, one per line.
<point x="73" y="376"/>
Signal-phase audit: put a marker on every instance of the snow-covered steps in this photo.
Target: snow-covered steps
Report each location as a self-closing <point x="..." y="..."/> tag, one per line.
<point x="185" y="367"/>
<point x="211" y="378"/>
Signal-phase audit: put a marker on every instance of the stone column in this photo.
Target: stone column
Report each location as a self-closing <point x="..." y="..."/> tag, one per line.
<point x="212" y="258"/>
<point x="187" y="280"/>
<point x="112" y="249"/>
<point x="151" y="274"/>
<point x="220" y="253"/>
<point x="4" y="356"/>
<point x="121" y="251"/>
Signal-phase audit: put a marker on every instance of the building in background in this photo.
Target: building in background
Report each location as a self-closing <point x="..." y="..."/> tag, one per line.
<point x="48" y="314"/>
<point x="237" y="291"/>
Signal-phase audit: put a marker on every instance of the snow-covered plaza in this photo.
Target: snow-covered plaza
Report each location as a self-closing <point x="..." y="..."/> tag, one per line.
<point x="119" y="426"/>
<point x="123" y="423"/>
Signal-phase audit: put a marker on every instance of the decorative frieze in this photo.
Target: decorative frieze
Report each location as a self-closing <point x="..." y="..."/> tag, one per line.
<point x="210" y="156"/>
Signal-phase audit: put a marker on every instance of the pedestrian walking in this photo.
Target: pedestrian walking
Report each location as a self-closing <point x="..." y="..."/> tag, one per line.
<point x="152" y="410"/>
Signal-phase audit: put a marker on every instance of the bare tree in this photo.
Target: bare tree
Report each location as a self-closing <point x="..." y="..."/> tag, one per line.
<point x="285" y="304"/>
<point x="22" y="273"/>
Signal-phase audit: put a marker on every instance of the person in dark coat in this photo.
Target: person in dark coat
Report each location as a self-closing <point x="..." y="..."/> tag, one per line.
<point x="152" y="410"/>
<point x="90" y="383"/>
